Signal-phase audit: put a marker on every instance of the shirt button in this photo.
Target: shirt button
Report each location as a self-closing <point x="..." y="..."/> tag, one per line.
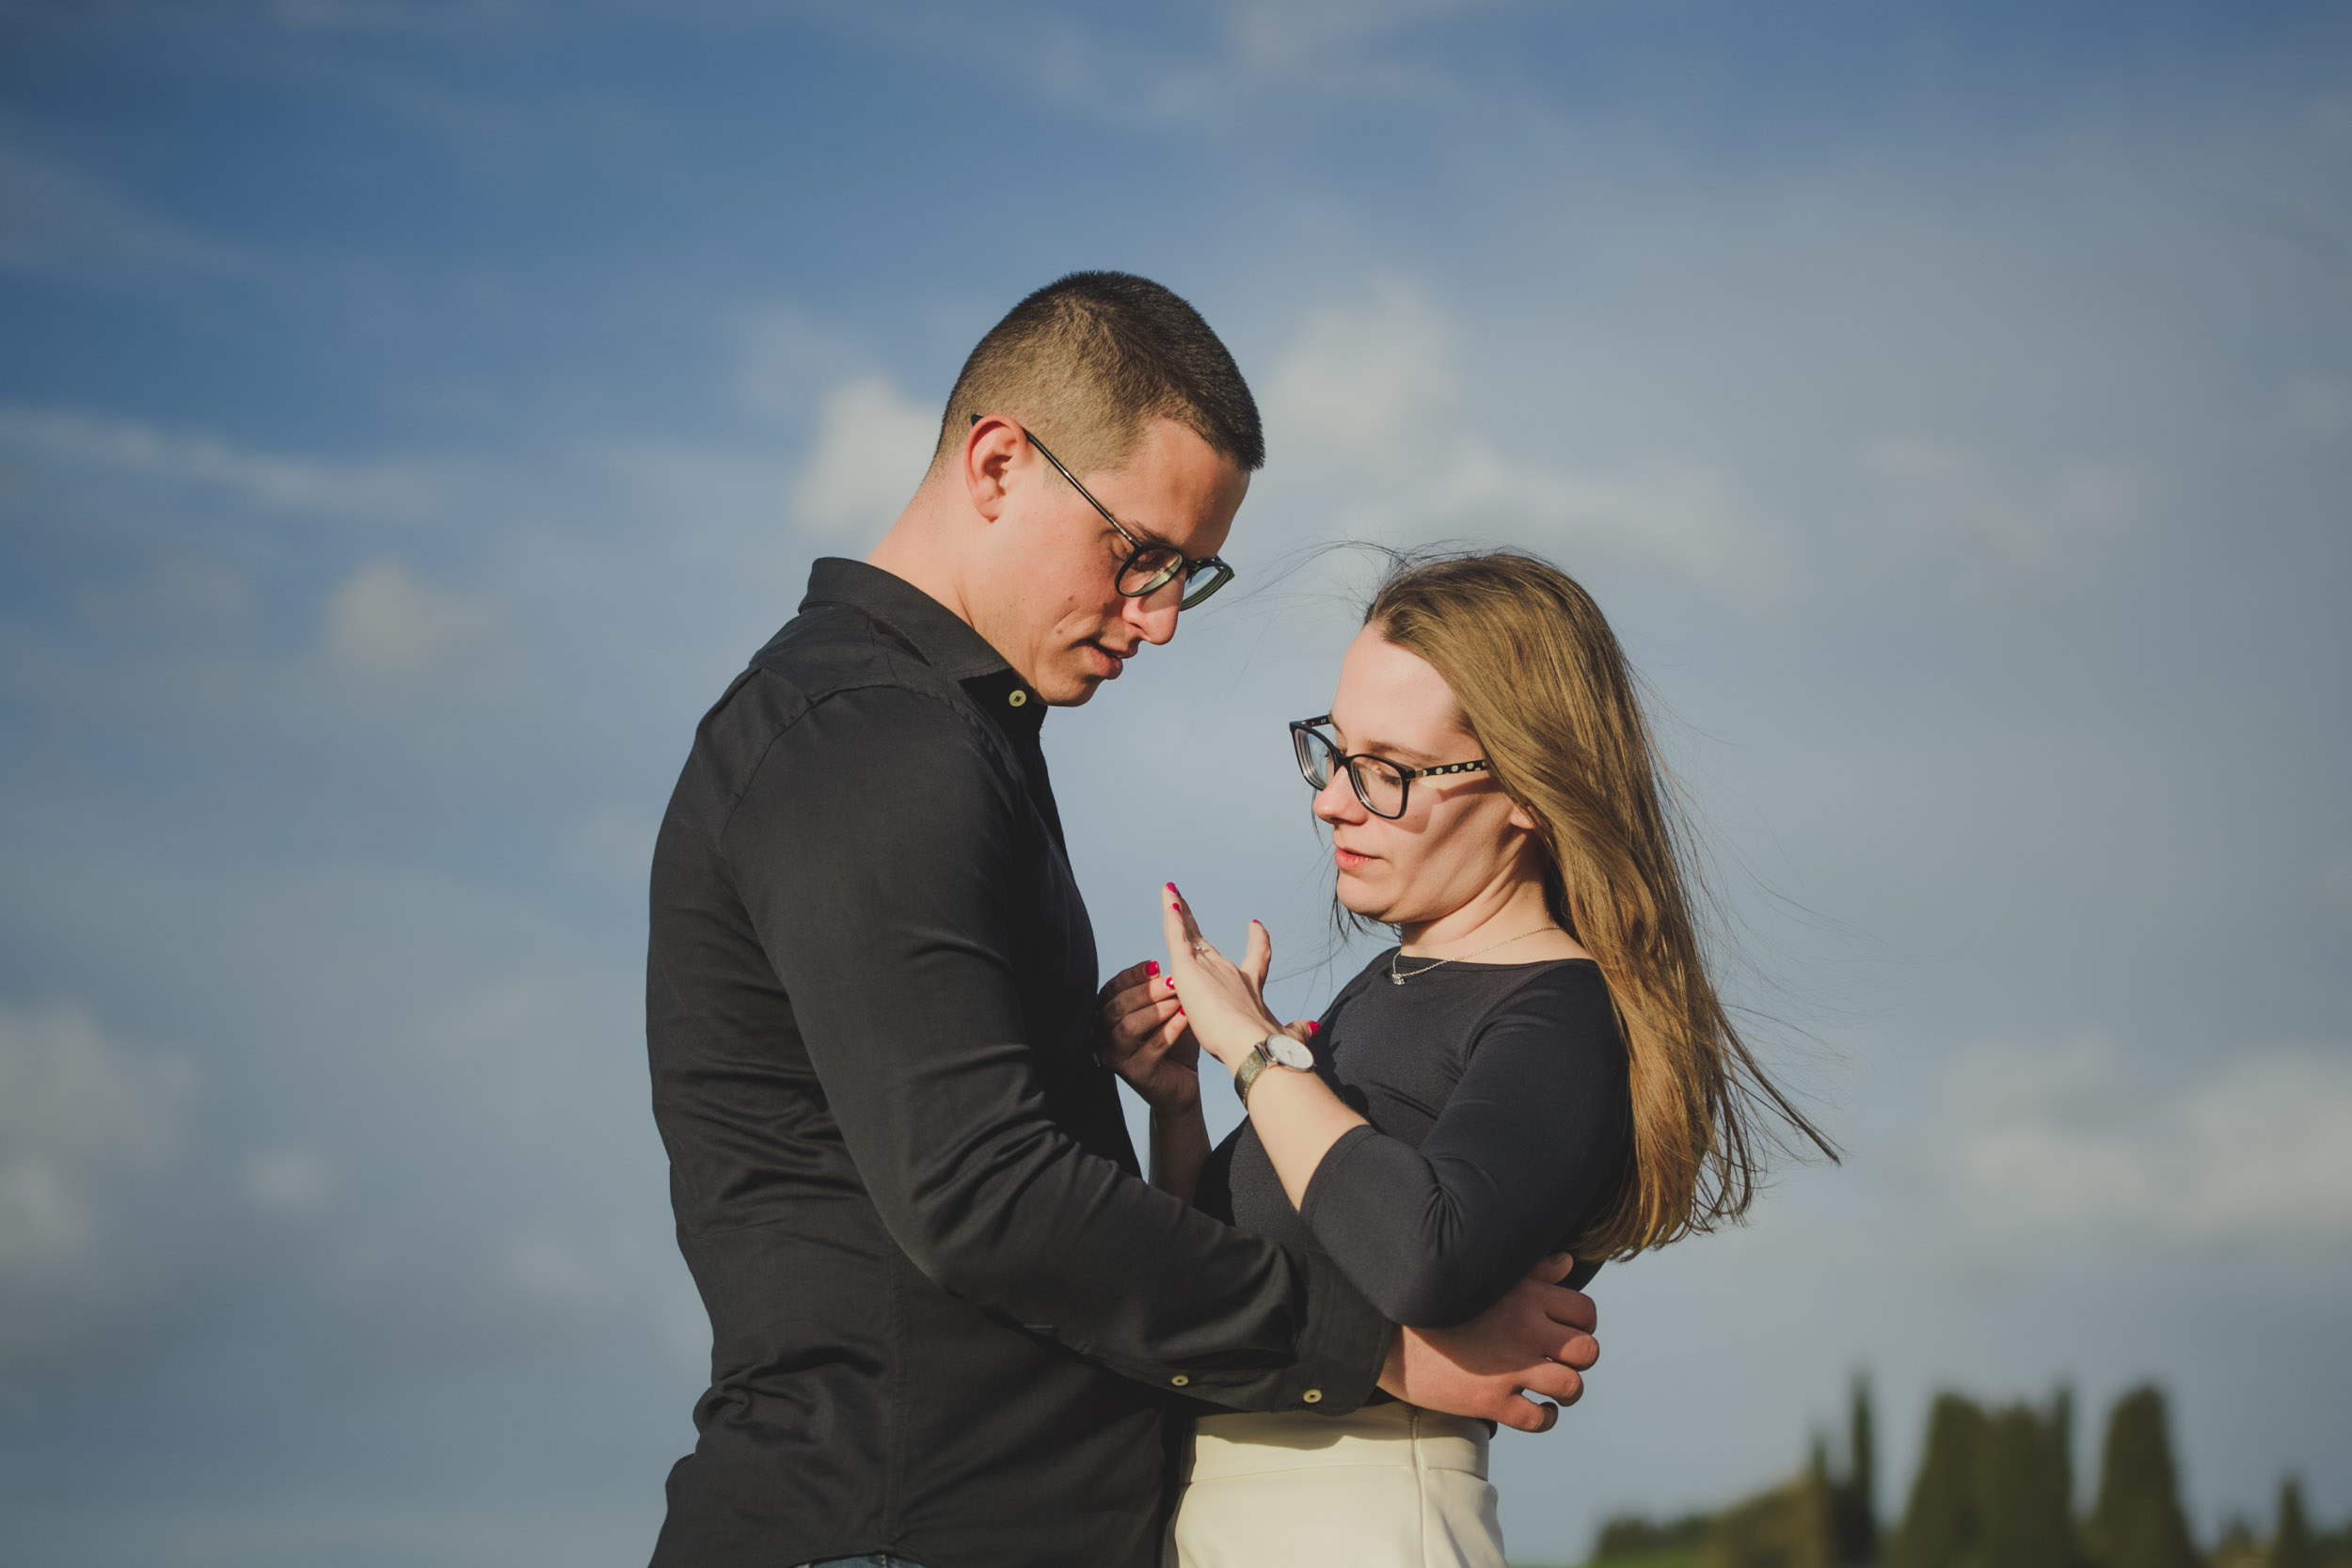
<point x="1179" y="1380"/>
<point x="1312" y="1396"/>
<point x="1018" y="698"/>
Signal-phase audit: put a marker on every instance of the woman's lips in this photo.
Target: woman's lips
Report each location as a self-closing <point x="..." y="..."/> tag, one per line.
<point x="1349" y="859"/>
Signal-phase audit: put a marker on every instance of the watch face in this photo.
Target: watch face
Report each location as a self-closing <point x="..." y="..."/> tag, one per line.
<point x="1290" y="1054"/>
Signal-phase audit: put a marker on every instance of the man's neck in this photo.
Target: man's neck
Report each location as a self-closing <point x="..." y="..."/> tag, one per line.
<point x="914" y="552"/>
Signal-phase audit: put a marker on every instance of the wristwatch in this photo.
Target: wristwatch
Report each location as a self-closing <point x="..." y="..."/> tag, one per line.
<point x="1276" y="1050"/>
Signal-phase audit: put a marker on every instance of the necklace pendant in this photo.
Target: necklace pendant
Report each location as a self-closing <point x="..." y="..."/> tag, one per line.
<point x="1394" y="978"/>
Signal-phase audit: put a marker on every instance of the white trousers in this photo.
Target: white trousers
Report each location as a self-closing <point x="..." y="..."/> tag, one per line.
<point x="1389" y="1486"/>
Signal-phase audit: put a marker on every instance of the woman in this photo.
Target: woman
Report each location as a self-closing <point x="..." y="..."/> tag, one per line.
<point x="1541" y="1065"/>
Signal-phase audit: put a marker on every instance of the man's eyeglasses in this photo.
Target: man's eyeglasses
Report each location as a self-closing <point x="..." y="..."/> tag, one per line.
<point x="1380" y="784"/>
<point x="1149" y="568"/>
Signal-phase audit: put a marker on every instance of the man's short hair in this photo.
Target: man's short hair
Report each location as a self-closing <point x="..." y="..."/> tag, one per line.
<point x="1088" y="359"/>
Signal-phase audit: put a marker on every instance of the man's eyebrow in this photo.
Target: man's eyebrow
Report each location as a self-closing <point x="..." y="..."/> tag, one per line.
<point x="1145" y="534"/>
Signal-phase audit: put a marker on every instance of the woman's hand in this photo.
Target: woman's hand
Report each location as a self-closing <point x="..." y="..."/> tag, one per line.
<point x="1225" y="1004"/>
<point x="1140" y="1033"/>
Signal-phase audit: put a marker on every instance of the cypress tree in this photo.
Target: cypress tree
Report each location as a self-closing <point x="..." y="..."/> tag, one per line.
<point x="1859" y="1534"/>
<point x="2062" y="1430"/>
<point x="1941" y="1527"/>
<point x="2293" y="1547"/>
<point x="2137" y="1522"/>
<point x="2023" y="1517"/>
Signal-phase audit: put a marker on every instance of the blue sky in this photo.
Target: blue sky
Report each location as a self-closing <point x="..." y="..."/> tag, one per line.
<point x="411" y="415"/>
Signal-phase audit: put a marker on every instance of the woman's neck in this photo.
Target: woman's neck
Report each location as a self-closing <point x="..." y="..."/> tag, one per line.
<point x="1515" y="913"/>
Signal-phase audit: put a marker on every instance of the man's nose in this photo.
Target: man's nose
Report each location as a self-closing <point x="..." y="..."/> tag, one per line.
<point x="1154" y="617"/>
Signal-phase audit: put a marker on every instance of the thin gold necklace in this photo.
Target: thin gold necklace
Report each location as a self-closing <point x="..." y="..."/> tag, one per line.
<point x="1398" y="977"/>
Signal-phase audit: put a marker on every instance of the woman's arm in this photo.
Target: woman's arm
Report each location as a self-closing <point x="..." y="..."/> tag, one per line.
<point x="1531" y="1137"/>
<point x="1298" y="1120"/>
<point x="1297" y="1116"/>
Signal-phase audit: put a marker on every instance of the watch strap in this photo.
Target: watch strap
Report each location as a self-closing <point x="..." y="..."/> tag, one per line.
<point x="1246" y="1074"/>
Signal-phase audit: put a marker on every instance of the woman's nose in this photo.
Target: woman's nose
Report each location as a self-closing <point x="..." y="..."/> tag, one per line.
<point x="1336" y="802"/>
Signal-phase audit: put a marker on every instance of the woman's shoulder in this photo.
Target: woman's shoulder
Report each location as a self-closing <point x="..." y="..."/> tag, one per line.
<point x="1566" y="996"/>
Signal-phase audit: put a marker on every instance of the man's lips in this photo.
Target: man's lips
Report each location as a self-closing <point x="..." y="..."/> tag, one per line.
<point x="1108" y="663"/>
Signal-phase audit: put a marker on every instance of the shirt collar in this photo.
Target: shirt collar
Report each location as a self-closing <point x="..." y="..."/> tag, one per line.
<point x="938" y="635"/>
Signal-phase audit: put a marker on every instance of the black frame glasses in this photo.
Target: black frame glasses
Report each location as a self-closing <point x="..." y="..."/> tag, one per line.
<point x="1149" y="568"/>
<point x="1319" y="756"/>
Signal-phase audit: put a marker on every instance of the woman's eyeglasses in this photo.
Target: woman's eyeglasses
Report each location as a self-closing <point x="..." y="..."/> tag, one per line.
<point x="1380" y="784"/>
<point x="1149" y="568"/>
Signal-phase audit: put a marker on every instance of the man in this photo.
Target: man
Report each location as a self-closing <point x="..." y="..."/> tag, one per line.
<point x="945" y="1312"/>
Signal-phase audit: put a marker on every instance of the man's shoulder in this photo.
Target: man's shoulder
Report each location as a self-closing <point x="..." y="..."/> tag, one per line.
<point x="830" y="648"/>
<point x="837" y="661"/>
<point x="822" y="654"/>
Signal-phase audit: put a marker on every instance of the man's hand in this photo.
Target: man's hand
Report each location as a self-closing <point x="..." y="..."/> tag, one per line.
<point x="1537" y="1339"/>
<point x="1141" y="1035"/>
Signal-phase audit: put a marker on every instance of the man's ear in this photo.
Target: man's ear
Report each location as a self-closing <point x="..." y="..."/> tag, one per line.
<point x="990" y="448"/>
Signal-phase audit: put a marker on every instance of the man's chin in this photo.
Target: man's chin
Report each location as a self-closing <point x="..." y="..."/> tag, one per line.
<point x="1071" y="691"/>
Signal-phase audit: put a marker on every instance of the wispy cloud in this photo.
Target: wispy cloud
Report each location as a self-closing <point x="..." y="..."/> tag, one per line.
<point x="2070" y="1139"/>
<point x="275" y="482"/>
<point x="1371" y="432"/>
<point x="57" y="220"/>
<point x="88" y="1126"/>
<point x="1943" y="500"/>
<point x="1294" y="33"/>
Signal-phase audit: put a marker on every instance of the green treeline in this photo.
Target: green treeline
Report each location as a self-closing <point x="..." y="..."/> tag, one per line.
<point x="1995" y="1489"/>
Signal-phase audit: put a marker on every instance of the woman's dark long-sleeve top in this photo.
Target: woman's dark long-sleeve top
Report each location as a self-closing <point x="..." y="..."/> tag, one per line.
<point x="1500" y="1125"/>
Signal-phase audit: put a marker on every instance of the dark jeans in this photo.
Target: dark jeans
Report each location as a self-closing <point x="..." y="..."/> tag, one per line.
<point x="877" y="1559"/>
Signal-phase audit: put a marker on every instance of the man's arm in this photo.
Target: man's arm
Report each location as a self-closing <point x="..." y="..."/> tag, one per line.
<point x="875" y="849"/>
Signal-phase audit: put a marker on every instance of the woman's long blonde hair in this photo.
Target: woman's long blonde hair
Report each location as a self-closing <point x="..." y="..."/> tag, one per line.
<point x="1545" y="690"/>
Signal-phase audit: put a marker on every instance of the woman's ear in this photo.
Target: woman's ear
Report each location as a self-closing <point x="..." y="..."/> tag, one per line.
<point x="1523" y="819"/>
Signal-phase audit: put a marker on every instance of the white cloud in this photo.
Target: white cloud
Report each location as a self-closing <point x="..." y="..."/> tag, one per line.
<point x="385" y="621"/>
<point x="268" y="480"/>
<point x="1949" y="498"/>
<point x="1367" y="413"/>
<point x="2065" y="1139"/>
<point x="85" y="1123"/>
<point x="291" y="1182"/>
<point x="872" y="446"/>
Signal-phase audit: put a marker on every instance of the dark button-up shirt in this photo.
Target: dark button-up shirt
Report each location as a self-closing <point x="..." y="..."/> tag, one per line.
<point x="945" y="1312"/>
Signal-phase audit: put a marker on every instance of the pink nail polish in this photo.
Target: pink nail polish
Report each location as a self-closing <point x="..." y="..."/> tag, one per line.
<point x="1169" y="982"/>
<point x="1314" y="1028"/>
<point x="1171" y="887"/>
<point x="1152" y="967"/>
